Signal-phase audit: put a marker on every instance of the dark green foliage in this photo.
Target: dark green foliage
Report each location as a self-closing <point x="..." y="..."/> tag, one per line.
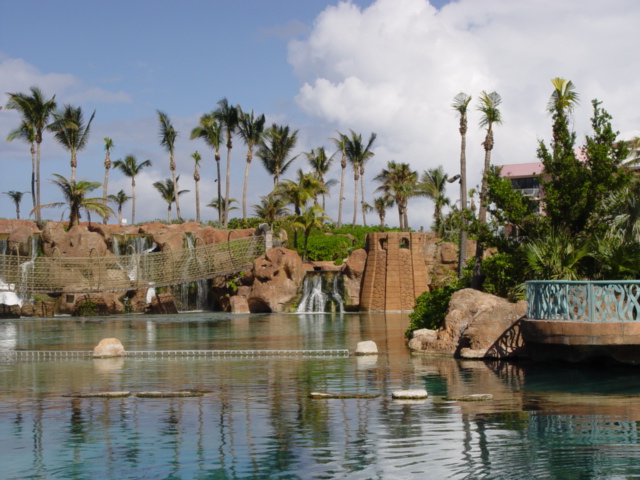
<point x="503" y="273"/>
<point x="431" y="308"/>
<point x="239" y="223"/>
<point x="326" y="247"/>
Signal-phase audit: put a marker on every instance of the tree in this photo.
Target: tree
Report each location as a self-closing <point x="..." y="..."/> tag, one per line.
<point x="272" y="207"/>
<point x="300" y="192"/>
<point x="75" y="199"/>
<point x="434" y="185"/>
<point x="399" y="182"/>
<point x="196" y="177"/>
<point x="307" y="220"/>
<point x="168" y="135"/>
<point x="214" y="204"/>
<point x="210" y="130"/>
<point x="275" y="149"/>
<point x="381" y="204"/>
<point x="227" y="115"/>
<point x="16" y="197"/>
<point x="460" y="104"/>
<point x="250" y="130"/>
<point x="341" y="142"/>
<point x="26" y="133"/>
<point x="71" y="131"/>
<point x="131" y="168"/>
<point x="320" y="164"/>
<point x="168" y="194"/>
<point x="488" y="107"/>
<point x="357" y="155"/>
<point x="108" y="146"/>
<point x="35" y="110"/>
<point x="119" y="199"/>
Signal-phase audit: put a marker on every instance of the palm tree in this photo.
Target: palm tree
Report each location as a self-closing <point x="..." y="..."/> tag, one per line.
<point x="210" y="131"/>
<point x="119" y="199"/>
<point x="460" y="105"/>
<point x="381" y="204"/>
<point x="17" y="198"/>
<point x="130" y="168"/>
<point x="196" y="177"/>
<point x="358" y="154"/>
<point x="227" y="115"/>
<point x="341" y="142"/>
<point x="71" y="131"/>
<point x="35" y="111"/>
<point x="307" y="220"/>
<point x="433" y="185"/>
<point x="214" y="204"/>
<point x="399" y="182"/>
<point x="108" y="145"/>
<point x="168" y="135"/>
<point x="26" y="133"/>
<point x="275" y="149"/>
<point x="320" y="164"/>
<point x="168" y="193"/>
<point x="489" y="103"/>
<point x="272" y="207"/>
<point x="251" y="130"/>
<point x="75" y="199"/>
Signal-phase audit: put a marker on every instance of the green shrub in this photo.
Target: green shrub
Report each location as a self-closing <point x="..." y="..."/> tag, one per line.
<point x="431" y="308"/>
<point x="325" y="248"/>
<point x="240" y="223"/>
<point x="503" y="273"/>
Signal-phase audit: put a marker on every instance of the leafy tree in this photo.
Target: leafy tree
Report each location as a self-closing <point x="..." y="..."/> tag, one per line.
<point x="398" y="181"/>
<point x="320" y="164"/>
<point x="357" y="155"/>
<point x="75" y="198"/>
<point x="272" y="207"/>
<point x="381" y="204"/>
<point x="275" y="149"/>
<point x="16" y="197"/>
<point x="168" y="135"/>
<point x="309" y="219"/>
<point x="251" y="130"/>
<point x="131" y="168"/>
<point x="119" y="199"/>
<point x="461" y="104"/>
<point x="434" y="185"/>
<point x="210" y="130"/>
<point x="35" y="110"/>
<point x="224" y="207"/>
<point x="168" y="194"/>
<point x="227" y="115"/>
<point x="71" y="131"/>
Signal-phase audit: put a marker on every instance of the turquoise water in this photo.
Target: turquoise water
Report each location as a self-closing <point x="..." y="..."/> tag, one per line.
<point x="256" y="420"/>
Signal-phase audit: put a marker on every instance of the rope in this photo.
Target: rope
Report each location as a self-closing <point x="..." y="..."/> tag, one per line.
<point x="128" y="272"/>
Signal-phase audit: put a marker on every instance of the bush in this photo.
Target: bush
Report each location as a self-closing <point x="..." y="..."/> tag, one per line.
<point x="325" y="248"/>
<point x="240" y="223"/>
<point x="503" y="274"/>
<point x="431" y="308"/>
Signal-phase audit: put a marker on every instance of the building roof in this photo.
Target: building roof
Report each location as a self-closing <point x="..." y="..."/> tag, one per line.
<point x="516" y="170"/>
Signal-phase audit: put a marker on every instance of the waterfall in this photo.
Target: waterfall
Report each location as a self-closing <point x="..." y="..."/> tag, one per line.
<point x="7" y="294"/>
<point x="198" y="291"/>
<point x="321" y="292"/>
<point x="28" y="268"/>
<point x="123" y="246"/>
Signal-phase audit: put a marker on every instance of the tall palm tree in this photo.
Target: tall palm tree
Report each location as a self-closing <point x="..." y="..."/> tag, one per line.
<point x="381" y="204"/>
<point x="71" y="131"/>
<point x="250" y="130"/>
<point x="119" y="199"/>
<point x="320" y="164"/>
<point x="227" y="115"/>
<point x="35" y="110"/>
<point x="75" y="198"/>
<point x="434" y="185"/>
<point x="26" y="133"/>
<point x="16" y="197"/>
<point x="357" y="155"/>
<point x="399" y="182"/>
<point x="214" y="204"/>
<point x="131" y="168"/>
<point x="210" y="130"/>
<point x="272" y="207"/>
<point x="275" y="149"/>
<point x="108" y="146"/>
<point x="341" y="143"/>
<point x="488" y="107"/>
<point x="168" y="193"/>
<point x="196" y="177"/>
<point x="460" y="104"/>
<point x="168" y="135"/>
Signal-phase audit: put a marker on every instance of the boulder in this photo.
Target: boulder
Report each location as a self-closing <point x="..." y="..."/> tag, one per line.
<point x="108" y="347"/>
<point x="163" y="303"/>
<point x="239" y="304"/>
<point x="477" y="325"/>
<point x="367" y="347"/>
<point x="10" y="311"/>
<point x="77" y="242"/>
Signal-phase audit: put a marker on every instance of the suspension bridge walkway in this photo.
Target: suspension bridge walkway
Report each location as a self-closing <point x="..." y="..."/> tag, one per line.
<point x="112" y="273"/>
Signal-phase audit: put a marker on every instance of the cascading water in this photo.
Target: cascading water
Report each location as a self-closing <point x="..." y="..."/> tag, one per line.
<point x="321" y="292"/>
<point x="194" y="295"/>
<point x="123" y="246"/>
<point x="7" y="295"/>
<point x="27" y="269"/>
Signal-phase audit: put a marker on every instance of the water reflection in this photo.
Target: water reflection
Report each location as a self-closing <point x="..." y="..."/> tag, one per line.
<point x="255" y="419"/>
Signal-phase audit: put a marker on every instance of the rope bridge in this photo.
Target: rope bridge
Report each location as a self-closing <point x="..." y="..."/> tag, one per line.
<point x="111" y="273"/>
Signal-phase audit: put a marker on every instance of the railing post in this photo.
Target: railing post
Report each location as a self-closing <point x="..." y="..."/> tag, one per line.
<point x="590" y="301"/>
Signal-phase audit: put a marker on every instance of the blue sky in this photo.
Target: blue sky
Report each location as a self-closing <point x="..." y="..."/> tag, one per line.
<point x="389" y="66"/>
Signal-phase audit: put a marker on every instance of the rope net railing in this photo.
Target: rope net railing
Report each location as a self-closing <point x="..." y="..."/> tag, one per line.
<point x="94" y="274"/>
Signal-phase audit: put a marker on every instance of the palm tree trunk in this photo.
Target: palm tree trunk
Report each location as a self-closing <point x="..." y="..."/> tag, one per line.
<point x="197" y="201"/>
<point x="175" y="186"/>
<point x="38" y="214"/>
<point x="364" y="215"/>
<point x="74" y="163"/>
<point x="244" y="188"/>
<point x="227" y="183"/>
<point x="219" y="188"/>
<point x="104" y="189"/>
<point x="355" y="197"/>
<point x="33" y="175"/>
<point x="478" y="277"/>
<point x="341" y="197"/>
<point x="169" y="214"/>
<point x="133" y="201"/>
<point x="462" y="249"/>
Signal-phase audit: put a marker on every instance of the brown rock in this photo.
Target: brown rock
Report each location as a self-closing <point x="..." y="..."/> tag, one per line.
<point x="44" y="309"/>
<point x="239" y="304"/>
<point x="163" y="303"/>
<point x="9" y="311"/>
<point x="77" y="242"/>
<point x="108" y="347"/>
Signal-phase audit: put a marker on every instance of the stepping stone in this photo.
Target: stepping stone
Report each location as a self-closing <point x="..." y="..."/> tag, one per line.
<point x="181" y="394"/>
<point x="99" y="395"/>
<point x="368" y="347"/>
<point x="409" y="394"/>
<point x="324" y="395"/>
<point x="476" y="397"/>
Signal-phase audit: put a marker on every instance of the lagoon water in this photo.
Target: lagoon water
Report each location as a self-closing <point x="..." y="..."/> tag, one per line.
<point x="256" y="419"/>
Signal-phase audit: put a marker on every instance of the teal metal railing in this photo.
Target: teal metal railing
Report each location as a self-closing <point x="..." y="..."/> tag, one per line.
<point x="586" y="301"/>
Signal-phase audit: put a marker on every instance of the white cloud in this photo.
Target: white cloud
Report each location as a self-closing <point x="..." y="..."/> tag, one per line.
<point x="395" y="66"/>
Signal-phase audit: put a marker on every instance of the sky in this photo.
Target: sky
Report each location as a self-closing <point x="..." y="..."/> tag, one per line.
<point x="391" y="67"/>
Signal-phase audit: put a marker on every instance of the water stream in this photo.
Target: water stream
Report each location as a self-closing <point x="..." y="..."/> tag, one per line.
<point x="321" y="292"/>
